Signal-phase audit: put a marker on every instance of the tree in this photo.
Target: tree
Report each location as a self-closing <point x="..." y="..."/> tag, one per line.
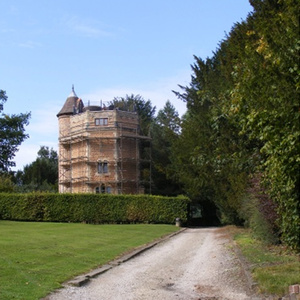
<point x="243" y="106"/>
<point x="42" y="174"/>
<point x="265" y="99"/>
<point x="165" y="130"/>
<point x="138" y="104"/>
<point x="168" y="118"/>
<point x="12" y="134"/>
<point x="146" y="112"/>
<point x="209" y="140"/>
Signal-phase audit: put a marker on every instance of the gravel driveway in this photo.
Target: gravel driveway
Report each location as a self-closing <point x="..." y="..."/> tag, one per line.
<point x="198" y="263"/>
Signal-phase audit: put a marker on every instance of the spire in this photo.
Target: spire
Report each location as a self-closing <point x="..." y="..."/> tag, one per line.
<point x="73" y="94"/>
<point x="70" y="104"/>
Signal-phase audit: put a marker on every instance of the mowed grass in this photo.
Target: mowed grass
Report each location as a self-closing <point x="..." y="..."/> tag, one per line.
<point x="273" y="267"/>
<point x="35" y="258"/>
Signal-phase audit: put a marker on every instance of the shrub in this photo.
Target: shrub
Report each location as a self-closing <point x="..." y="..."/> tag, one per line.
<point x="92" y="208"/>
<point x="6" y="184"/>
<point x="255" y="220"/>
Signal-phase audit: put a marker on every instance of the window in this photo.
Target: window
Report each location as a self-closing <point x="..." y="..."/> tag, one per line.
<point x="101" y="121"/>
<point x="102" y="167"/>
<point x="103" y="189"/>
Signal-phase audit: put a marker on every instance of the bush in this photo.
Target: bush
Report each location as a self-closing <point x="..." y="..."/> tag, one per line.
<point x="255" y="218"/>
<point x="92" y="208"/>
<point x="260" y="212"/>
<point x="6" y="184"/>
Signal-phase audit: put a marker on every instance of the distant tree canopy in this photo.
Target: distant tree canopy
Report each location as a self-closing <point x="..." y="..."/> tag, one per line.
<point x="12" y="134"/>
<point x="136" y="103"/>
<point x="163" y="130"/>
<point x="42" y="174"/>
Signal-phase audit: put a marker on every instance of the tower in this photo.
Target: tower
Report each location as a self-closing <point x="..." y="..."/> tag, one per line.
<point x="99" y="149"/>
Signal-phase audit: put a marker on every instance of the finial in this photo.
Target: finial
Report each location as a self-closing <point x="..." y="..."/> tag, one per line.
<point x="73" y="94"/>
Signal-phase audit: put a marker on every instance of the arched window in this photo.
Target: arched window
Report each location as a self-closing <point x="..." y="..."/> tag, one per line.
<point x="103" y="189"/>
<point x="102" y="167"/>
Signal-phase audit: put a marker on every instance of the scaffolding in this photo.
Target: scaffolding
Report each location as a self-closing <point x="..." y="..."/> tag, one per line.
<point x="118" y="145"/>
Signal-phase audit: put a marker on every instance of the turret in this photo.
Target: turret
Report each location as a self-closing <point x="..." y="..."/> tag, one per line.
<point x="72" y="106"/>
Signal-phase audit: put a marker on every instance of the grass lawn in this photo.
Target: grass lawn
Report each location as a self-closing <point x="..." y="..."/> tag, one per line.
<point x="35" y="258"/>
<point x="273" y="267"/>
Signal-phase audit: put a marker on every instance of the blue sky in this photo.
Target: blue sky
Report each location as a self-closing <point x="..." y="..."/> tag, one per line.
<point x="107" y="49"/>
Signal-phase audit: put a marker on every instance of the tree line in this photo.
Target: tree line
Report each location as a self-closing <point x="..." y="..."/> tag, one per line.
<point x="235" y="151"/>
<point x="239" y="142"/>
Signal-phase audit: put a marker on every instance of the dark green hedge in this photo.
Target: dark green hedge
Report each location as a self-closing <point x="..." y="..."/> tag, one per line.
<point x="92" y="208"/>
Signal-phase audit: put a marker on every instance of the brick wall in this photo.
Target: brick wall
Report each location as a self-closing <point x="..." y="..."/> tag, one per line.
<point x="109" y="138"/>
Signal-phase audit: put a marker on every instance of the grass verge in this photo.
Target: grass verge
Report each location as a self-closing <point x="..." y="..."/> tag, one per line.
<point x="35" y="258"/>
<point x="274" y="268"/>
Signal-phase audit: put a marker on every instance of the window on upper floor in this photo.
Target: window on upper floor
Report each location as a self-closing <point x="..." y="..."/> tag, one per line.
<point x="102" y="167"/>
<point x="101" y="121"/>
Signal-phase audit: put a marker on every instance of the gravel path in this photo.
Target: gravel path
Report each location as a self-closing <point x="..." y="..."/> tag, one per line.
<point x="195" y="264"/>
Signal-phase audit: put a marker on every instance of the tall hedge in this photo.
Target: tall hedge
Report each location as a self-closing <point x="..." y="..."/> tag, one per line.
<point x="92" y="208"/>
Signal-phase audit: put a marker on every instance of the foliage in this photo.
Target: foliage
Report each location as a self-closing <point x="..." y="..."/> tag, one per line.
<point x="169" y="119"/>
<point x="165" y="130"/>
<point x="6" y="184"/>
<point x="243" y="118"/>
<point x="42" y="174"/>
<point x="206" y="155"/>
<point x="138" y="104"/>
<point x="256" y="221"/>
<point x="12" y="134"/>
<point x="265" y="99"/>
<point x="145" y="111"/>
<point x="92" y="208"/>
<point x="260" y="212"/>
<point x="37" y="258"/>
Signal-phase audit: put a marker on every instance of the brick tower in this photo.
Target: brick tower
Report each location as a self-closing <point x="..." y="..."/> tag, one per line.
<point x="99" y="149"/>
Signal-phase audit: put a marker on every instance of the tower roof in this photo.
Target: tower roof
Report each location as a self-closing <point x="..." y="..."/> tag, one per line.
<point x="71" y="104"/>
